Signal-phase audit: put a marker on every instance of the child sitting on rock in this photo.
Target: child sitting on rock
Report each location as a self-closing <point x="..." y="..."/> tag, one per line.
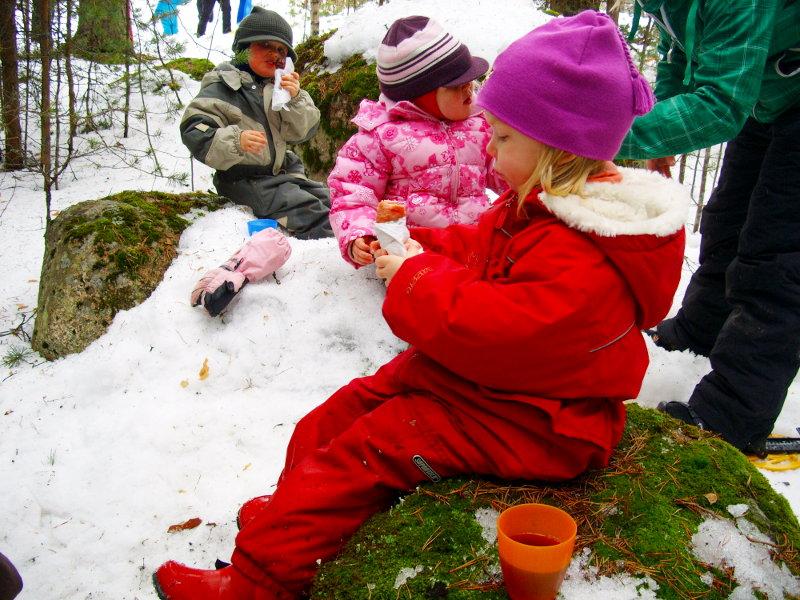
<point x="421" y="144"/>
<point x="524" y="329"/>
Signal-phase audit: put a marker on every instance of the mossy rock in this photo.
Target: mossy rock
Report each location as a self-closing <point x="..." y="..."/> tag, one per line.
<point x="195" y="68"/>
<point x="637" y="516"/>
<point x="337" y="95"/>
<point x="103" y="256"/>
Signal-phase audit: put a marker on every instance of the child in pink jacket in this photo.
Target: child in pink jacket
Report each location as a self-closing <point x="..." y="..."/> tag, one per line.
<point x="422" y="143"/>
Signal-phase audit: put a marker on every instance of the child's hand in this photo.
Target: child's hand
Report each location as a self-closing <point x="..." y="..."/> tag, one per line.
<point x="375" y="249"/>
<point x="291" y="83"/>
<point x="661" y="165"/>
<point x="252" y="141"/>
<point x="413" y="247"/>
<point x="359" y="250"/>
<point x="386" y="266"/>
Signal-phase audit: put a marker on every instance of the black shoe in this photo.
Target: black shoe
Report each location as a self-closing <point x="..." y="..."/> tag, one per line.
<point x="773" y="445"/>
<point x="757" y="448"/>
<point x="760" y="448"/>
<point x="682" y="412"/>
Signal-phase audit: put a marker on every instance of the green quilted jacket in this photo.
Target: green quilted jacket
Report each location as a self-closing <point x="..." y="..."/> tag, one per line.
<point x="745" y="62"/>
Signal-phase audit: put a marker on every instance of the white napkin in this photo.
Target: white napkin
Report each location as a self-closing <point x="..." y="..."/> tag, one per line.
<point x="280" y="96"/>
<point x="392" y="236"/>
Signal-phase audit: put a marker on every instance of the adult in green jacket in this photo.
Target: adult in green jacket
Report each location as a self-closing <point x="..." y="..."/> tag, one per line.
<point x="730" y="71"/>
<point x="232" y="127"/>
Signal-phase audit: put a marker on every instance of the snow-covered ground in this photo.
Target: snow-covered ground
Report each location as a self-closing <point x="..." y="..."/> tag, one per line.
<point x="100" y="452"/>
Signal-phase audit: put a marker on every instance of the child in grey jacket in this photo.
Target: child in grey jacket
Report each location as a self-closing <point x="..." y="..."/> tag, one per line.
<point x="232" y="127"/>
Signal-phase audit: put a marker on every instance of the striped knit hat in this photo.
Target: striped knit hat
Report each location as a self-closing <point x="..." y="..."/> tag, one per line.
<point x="417" y="56"/>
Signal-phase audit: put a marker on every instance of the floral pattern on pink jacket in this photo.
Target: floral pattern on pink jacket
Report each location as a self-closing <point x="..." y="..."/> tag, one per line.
<point x="439" y="169"/>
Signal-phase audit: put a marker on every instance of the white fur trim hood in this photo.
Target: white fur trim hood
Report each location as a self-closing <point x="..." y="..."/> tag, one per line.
<point x="642" y="203"/>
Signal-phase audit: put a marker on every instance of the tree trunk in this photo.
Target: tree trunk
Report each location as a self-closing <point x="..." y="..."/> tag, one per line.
<point x="572" y="7"/>
<point x="612" y="9"/>
<point x="102" y="28"/>
<point x="648" y="37"/>
<point x="314" y="17"/>
<point x="36" y="16"/>
<point x="701" y="200"/>
<point x="27" y="27"/>
<point x="72" y="101"/>
<point x="10" y="86"/>
<point x="45" y="46"/>
<point x="682" y="170"/>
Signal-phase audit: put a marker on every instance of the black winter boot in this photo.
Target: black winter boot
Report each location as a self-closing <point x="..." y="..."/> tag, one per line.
<point x="682" y="412"/>
<point x="760" y="448"/>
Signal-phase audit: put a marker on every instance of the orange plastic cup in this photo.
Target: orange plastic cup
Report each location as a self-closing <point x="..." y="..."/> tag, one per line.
<point x="535" y="543"/>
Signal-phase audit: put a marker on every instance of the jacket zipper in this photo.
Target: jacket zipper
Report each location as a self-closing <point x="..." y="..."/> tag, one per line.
<point x="456" y="179"/>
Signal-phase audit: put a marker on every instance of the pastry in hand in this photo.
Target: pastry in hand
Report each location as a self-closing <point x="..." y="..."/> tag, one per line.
<point x="389" y="211"/>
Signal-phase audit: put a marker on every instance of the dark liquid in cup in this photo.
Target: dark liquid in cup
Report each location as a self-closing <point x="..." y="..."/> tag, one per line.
<point x="535" y="539"/>
<point x="527" y="585"/>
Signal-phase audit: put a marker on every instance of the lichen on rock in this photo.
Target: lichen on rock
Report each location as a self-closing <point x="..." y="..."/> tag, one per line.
<point x="636" y="517"/>
<point x="337" y="94"/>
<point x="103" y="256"/>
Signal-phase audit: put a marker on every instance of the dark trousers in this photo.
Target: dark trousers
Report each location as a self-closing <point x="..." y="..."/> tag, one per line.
<point x="742" y="306"/>
<point x="205" y="9"/>
<point x="300" y="205"/>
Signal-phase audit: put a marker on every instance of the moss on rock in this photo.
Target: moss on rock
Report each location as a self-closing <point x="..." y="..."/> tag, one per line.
<point x="636" y="516"/>
<point x="103" y="256"/>
<point x="195" y="68"/>
<point x="337" y="95"/>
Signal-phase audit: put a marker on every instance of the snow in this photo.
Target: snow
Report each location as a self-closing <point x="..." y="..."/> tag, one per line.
<point x="485" y="29"/>
<point x="407" y="573"/>
<point x="582" y="580"/>
<point x="723" y="544"/>
<point x="101" y="451"/>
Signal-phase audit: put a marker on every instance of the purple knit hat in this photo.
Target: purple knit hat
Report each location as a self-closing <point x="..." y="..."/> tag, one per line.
<point x="417" y="56"/>
<point x="570" y="84"/>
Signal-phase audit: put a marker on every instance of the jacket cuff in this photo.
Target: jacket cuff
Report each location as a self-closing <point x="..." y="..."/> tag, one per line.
<point x="237" y="140"/>
<point x="411" y="272"/>
<point x="345" y="242"/>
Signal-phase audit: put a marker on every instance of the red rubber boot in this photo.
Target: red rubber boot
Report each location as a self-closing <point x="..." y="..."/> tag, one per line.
<point x="251" y="508"/>
<point x="174" y="581"/>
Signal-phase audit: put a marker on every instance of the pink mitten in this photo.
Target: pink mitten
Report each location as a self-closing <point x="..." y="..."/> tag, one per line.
<point x="261" y="255"/>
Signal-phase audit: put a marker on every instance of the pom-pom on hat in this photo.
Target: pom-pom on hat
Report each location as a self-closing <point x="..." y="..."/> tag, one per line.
<point x="417" y="56"/>
<point x="570" y="84"/>
<point x="263" y="25"/>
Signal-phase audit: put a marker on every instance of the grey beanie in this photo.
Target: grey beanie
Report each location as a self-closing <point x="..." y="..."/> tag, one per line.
<point x="263" y="25"/>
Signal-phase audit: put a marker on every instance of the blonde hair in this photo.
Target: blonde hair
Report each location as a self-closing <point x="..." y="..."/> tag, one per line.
<point x="560" y="173"/>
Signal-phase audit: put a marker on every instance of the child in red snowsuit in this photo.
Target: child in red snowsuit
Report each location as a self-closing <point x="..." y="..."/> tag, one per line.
<point x="524" y="329"/>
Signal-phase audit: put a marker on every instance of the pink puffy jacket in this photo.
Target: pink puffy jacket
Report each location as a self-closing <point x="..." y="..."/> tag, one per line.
<point x="439" y="169"/>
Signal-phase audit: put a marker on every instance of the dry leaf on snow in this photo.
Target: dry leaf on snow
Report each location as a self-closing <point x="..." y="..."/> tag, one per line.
<point x="203" y="374"/>
<point x="190" y="524"/>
